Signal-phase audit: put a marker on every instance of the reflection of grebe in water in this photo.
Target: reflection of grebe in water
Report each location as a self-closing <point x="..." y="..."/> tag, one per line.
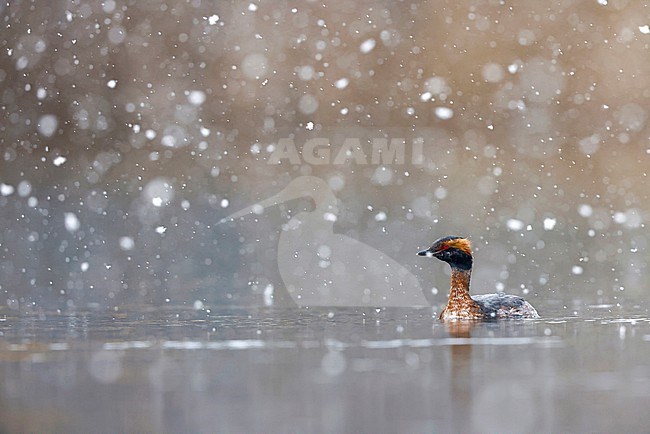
<point x="457" y="252"/>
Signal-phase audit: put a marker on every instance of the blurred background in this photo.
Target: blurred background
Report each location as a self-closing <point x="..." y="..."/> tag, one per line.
<point x="129" y="129"/>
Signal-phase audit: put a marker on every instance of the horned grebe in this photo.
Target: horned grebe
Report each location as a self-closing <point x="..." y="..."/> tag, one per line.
<point x="457" y="252"/>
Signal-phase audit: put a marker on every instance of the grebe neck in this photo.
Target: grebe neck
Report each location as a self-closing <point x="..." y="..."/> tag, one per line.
<point x="460" y="305"/>
<point x="460" y="284"/>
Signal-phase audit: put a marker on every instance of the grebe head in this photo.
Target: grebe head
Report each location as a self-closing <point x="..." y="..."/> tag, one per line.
<point x="456" y="251"/>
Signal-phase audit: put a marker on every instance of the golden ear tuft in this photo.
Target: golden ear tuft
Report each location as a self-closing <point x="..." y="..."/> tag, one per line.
<point x="462" y="244"/>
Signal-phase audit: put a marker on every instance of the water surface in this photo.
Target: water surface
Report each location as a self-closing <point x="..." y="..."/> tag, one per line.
<point x="274" y="370"/>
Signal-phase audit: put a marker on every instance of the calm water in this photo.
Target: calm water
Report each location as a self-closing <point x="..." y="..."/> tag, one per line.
<point x="343" y="370"/>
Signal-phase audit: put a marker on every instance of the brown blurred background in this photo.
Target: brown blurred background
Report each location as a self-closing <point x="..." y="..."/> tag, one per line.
<point x="129" y="129"/>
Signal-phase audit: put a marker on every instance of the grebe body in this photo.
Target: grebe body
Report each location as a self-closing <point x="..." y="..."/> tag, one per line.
<point x="457" y="252"/>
